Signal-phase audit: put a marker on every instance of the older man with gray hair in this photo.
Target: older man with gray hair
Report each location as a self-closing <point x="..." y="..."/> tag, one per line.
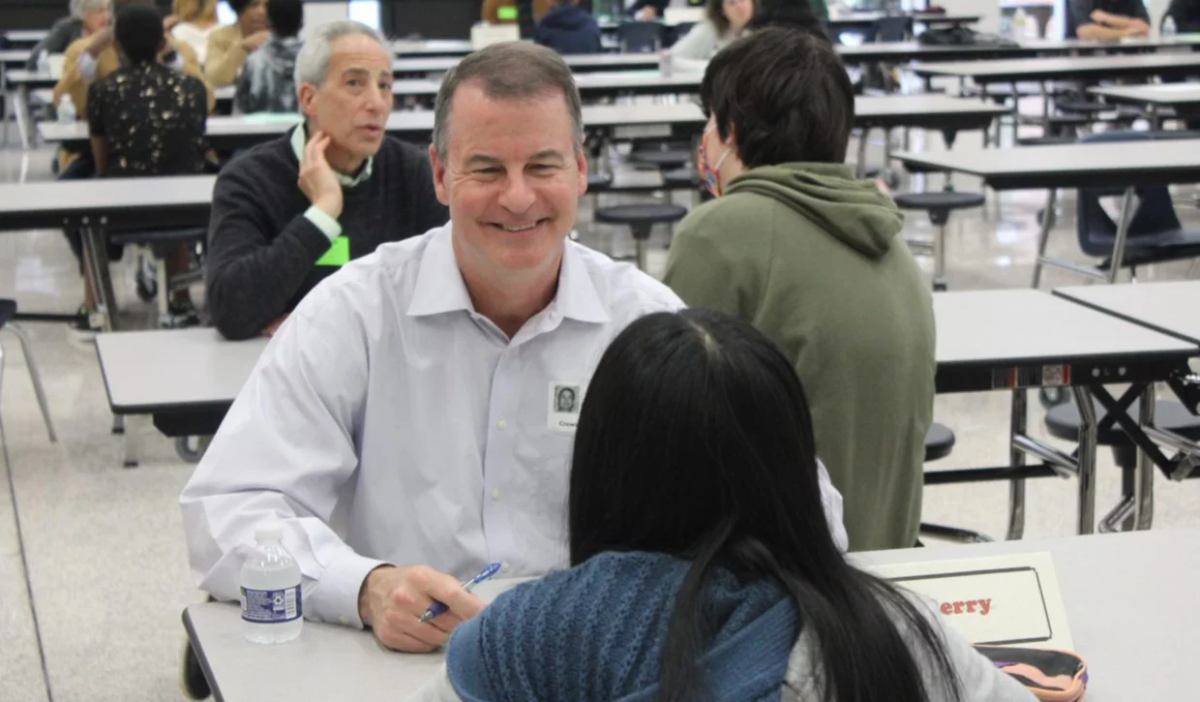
<point x="404" y="425"/>
<point x="86" y="18"/>
<point x="289" y="212"/>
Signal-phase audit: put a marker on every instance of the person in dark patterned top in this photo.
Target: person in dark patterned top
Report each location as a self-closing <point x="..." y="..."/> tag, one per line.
<point x="268" y="81"/>
<point x="146" y="118"/>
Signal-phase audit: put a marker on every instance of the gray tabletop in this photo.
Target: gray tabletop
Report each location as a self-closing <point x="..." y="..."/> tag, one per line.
<point x="14" y="57"/>
<point x="433" y="47"/>
<point x="588" y="83"/>
<point x="1007" y="70"/>
<point x="25" y="36"/>
<point x="1070" y="166"/>
<point x="205" y="370"/>
<point x="148" y="202"/>
<point x="1167" y="307"/>
<point x="1166" y="94"/>
<point x="1131" y="638"/>
<point x="982" y="332"/>
<point x="30" y="79"/>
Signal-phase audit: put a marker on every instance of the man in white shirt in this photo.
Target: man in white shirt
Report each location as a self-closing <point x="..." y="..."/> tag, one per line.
<point x="404" y="424"/>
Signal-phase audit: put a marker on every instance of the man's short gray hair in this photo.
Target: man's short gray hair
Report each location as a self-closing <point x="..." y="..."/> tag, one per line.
<point x="510" y="71"/>
<point x="79" y="8"/>
<point x="312" y="65"/>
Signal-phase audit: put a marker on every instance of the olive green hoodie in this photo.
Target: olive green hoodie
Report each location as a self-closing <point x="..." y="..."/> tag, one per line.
<point x="813" y="258"/>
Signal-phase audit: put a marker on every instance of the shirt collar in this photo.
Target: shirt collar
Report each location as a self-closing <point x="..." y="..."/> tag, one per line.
<point x="440" y="287"/>
<point x="300" y="138"/>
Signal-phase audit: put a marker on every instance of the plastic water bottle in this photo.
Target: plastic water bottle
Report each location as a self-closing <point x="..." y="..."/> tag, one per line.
<point x="66" y="110"/>
<point x="665" y="63"/>
<point x="1020" y="18"/>
<point x="43" y="63"/>
<point x="1168" y="28"/>
<point x="272" y="607"/>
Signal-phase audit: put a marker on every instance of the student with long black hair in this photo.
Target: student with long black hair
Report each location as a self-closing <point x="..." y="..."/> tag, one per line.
<point x="702" y="567"/>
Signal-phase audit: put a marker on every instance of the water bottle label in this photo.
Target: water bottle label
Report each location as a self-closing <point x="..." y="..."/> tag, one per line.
<point x="271" y="606"/>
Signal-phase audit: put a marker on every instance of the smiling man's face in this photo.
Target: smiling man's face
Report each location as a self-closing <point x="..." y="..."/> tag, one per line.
<point x="512" y="177"/>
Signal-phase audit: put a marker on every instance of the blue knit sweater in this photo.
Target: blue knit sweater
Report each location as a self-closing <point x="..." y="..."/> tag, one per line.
<point x="596" y="632"/>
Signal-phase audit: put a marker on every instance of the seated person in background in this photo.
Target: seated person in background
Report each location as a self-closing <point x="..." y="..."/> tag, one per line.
<point x="94" y="58"/>
<point x="568" y="29"/>
<point x="147" y="119"/>
<point x="268" y="80"/>
<point x="87" y="17"/>
<point x="269" y="239"/>
<point x="192" y="22"/>
<point x="725" y="586"/>
<point x="814" y="258"/>
<point x="724" y="21"/>
<point x="649" y="10"/>
<point x="229" y="46"/>
<point x="1107" y="19"/>
<point x="404" y="424"/>
<point x="1186" y="14"/>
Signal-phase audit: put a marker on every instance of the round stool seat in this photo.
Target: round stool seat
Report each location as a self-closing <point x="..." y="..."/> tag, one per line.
<point x="1063" y="422"/>
<point x="681" y="178"/>
<point x="668" y="158"/>
<point x="8" y="310"/>
<point x="1070" y="120"/>
<point x="939" y="441"/>
<point x="1045" y="140"/>
<point x="1083" y="107"/>
<point x="646" y="213"/>
<point x="599" y="181"/>
<point x="945" y="200"/>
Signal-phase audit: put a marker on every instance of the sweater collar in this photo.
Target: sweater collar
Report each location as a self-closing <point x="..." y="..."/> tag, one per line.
<point x="300" y="138"/>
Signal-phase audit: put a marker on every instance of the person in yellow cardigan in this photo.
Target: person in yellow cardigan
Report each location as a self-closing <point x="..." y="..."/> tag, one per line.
<point x="229" y="46"/>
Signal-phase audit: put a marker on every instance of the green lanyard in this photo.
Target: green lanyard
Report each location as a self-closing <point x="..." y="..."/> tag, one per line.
<point x="338" y="255"/>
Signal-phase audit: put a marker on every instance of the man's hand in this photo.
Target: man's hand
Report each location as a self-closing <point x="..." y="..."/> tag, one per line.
<point x="647" y="14"/>
<point x="317" y="180"/>
<point x="273" y="327"/>
<point x="255" y="41"/>
<point x="101" y="40"/>
<point x="392" y="601"/>
<point x="170" y="21"/>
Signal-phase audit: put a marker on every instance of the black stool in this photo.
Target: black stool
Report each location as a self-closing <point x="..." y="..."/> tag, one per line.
<point x="161" y="242"/>
<point x="1062" y="422"/>
<point x="662" y="158"/>
<point x="641" y="219"/>
<point x="939" y="442"/>
<point x="1045" y="141"/>
<point x="939" y="205"/>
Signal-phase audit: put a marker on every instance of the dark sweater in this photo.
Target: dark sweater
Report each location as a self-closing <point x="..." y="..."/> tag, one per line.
<point x="569" y="29"/>
<point x="262" y="249"/>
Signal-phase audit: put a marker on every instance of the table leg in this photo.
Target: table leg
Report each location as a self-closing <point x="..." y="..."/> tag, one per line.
<point x="1143" y="488"/>
<point x="861" y="167"/>
<point x="1045" y="109"/>
<point x="1016" y="113"/>
<point x="1044" y="234"/>
<point x="4" y="91"/>
<point x="97" y="249"/>
<point x="1087" y="460"/>
<point x="1016" y="458"/>
<point x="24" y="119"/>
<point x="1126" y="216"/>
<point x="129" y="447"/>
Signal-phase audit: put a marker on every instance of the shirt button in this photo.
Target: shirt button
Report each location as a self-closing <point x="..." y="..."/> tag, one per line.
<point x="504" y="567"/>
<point x="496" y="494"/>
<point x="502" y="424"/>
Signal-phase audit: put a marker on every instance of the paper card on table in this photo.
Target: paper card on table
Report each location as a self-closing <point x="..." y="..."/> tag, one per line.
<point x="1002" y="600"/>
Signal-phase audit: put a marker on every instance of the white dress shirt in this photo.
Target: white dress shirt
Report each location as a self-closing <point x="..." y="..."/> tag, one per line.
<point x="388" y="422"/>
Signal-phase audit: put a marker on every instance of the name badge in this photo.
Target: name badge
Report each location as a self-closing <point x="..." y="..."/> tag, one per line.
<point x="563" y="405"/>
<point x="1002" y="600"/>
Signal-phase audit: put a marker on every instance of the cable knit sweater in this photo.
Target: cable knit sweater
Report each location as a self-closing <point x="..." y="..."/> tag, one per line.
<point x="595" y="632"/>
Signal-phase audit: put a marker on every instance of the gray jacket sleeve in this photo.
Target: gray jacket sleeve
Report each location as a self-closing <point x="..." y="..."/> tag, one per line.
<point x="436" y="689"/>
<point x="61" y="35"/>
<point x="700" y="43"/>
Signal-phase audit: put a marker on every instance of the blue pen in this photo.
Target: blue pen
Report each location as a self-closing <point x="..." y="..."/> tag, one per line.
<point x="438" y="608"/>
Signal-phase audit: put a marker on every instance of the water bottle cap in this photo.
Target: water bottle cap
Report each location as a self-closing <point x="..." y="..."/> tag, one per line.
<point x="271" y="530"/>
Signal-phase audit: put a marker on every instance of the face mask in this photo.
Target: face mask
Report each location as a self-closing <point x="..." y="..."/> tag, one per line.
<point x="712" y="179"/>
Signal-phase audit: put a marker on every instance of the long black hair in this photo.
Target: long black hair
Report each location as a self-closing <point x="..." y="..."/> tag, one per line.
<point x="695" y="440"/>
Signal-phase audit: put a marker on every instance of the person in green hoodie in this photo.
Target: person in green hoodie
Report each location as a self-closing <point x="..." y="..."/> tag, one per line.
<point x="813" y="257"/>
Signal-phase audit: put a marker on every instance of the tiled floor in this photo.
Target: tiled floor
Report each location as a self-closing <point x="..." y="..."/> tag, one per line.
<point x="104" y="547"/>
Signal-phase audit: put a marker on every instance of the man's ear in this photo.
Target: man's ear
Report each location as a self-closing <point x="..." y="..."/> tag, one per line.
<point x="439" y="176"/>
<point x="582" y="163"/>
<point x="306" y="94"/>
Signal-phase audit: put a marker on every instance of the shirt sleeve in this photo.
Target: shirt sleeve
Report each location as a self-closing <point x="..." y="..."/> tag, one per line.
<point x="286" y="450"/>
<point x="321" y="220"/>
<point x="699" y="43"/>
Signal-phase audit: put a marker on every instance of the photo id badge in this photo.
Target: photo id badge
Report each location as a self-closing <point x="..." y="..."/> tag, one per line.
<point x="565" y="401"/>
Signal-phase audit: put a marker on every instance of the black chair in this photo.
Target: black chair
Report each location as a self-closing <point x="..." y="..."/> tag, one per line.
<point x="641" y="219"/>
<point x="8" y="312"/>
<point x="640" y="37"/>
<point x="939" y="442"/>
<point x="1062" y="421"/>
<point x="939" y="205"/>
<point x="1154" y="233"/>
